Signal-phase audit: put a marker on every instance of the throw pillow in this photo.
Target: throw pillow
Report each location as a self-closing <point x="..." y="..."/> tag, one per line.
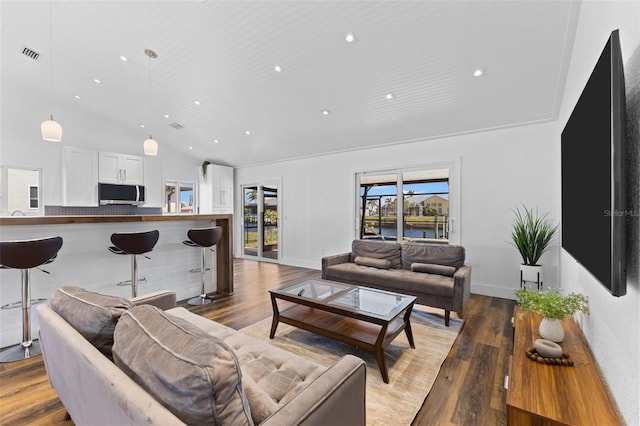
<point x="370" y="261"/>
<point x="432" y="268"/>
<point x="377" y="249"/>
<point x="195" y="375"/>
<point x="93" y="315"/>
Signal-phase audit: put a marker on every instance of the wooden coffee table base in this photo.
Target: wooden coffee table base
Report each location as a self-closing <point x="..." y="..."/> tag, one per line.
<point x="370" y="334"/>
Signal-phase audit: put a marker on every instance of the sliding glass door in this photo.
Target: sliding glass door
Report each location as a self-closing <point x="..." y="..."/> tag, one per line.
<point x="261" y="232"/>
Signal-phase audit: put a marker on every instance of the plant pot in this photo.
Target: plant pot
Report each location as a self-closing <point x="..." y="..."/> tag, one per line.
<point x="551" y="329"/>
<point x="531" y="273"/>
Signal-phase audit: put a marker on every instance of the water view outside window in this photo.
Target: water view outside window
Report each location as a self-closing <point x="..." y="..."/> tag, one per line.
<point x="423" y="210"/>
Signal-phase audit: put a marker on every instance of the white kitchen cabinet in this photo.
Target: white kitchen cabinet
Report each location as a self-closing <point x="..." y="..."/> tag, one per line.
<point x="154" y="186"/>
<point x="121" y="168"/>
<point x="79" y="177"/>
<point x="216" y="191"/>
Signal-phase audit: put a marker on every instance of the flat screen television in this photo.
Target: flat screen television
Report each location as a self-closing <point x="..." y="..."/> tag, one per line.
<point x="593" y="173"/>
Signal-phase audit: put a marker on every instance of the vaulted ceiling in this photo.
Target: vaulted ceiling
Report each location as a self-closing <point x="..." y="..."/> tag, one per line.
<point x="222" y="54"/>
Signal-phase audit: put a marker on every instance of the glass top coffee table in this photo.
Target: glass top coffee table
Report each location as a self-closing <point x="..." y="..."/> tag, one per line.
<point x="360" y="316"/>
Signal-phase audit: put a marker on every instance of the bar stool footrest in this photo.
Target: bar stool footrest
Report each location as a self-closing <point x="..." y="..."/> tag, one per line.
<point x="128" y="282"/>
<point x="18" y="304"/>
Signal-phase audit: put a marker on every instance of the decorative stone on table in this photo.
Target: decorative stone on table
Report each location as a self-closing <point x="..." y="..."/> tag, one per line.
<point x="547" y="352"/>
<point x="547" y="348"/>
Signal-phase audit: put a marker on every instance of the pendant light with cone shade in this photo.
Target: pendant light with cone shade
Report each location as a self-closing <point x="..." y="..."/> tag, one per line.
<point x="150" y="146"/>
<point x="51" y="130"/>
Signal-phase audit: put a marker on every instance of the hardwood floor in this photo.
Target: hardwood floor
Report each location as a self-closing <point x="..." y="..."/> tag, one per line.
<point x="468" y="391"/>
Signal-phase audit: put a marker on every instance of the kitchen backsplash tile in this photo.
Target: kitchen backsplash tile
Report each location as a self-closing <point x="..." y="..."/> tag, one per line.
<point x="112" y="209"/>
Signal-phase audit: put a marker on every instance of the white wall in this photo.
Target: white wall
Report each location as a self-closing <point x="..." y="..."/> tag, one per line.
<point x="613" y="327"/>
<point x="499" y="170"/>
<point x="21" y="144"/>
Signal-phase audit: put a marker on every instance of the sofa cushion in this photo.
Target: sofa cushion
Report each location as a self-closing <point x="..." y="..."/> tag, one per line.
<point x="398" y="280"/>
<point x="93" y="315"/>
<point x="377" y="250"/>
<point x="439" y="254"/>
<point x="271" y="376"/>
<point x="432" y="268"/>
<point x="195" y="375"/>
<point x="373" y="262"/>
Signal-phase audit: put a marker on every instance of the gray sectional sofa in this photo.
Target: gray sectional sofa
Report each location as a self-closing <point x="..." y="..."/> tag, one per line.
<point x="172" y="367"/>
<point x="434" y="273"/>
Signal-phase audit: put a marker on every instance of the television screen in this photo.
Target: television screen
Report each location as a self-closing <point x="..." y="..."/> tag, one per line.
<point x="593" y="190"/>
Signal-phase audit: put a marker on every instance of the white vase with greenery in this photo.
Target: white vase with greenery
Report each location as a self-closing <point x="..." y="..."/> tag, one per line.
<point x="554" y="307"/>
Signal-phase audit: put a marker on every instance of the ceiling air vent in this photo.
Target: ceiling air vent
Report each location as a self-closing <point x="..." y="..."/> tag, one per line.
<point x="30" y="53"/>
<point x="176" y="126"/>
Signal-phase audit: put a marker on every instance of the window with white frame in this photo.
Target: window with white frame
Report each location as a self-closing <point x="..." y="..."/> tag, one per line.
<point x="179" y="197"/>
<point x="413" y="204"/>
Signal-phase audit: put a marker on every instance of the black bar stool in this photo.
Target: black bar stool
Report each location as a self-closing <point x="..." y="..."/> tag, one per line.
<point x="25" y="255"/>
<point x="134" y="243"/>
<point x="205" y="238"/>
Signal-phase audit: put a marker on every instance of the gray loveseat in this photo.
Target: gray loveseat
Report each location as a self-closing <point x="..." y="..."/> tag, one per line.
<point x="434" y="273"/>
<point x="174" y="367"/>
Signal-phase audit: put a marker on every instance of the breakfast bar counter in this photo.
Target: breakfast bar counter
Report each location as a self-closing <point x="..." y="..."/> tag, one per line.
<point x="85" y="260"/>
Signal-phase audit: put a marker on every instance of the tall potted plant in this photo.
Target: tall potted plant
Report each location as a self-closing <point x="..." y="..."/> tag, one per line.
<point x="532" y="234"/>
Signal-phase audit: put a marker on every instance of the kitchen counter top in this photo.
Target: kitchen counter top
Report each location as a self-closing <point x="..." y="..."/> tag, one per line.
<point x="57" y="220"/>
<point x="85" y="260"/>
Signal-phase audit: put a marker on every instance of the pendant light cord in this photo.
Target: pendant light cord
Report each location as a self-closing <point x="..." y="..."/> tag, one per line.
<point x="51" y="56"/>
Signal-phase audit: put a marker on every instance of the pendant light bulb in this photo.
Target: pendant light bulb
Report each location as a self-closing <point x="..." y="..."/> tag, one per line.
<point x="51" y="130"/>
<point x="150" y="146"/>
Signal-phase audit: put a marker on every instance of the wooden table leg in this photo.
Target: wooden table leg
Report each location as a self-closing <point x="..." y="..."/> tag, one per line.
<point x="276" y="316"/>
<point x="407" y="327"/>
<point x="379" y="353"/>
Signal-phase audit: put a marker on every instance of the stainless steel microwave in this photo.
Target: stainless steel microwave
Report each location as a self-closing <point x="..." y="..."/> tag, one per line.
<point x="109" y="193"/>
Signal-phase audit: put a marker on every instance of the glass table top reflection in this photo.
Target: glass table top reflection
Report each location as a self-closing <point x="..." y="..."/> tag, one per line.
<point x="316" y="290"/>
<point x="377" y="302"/>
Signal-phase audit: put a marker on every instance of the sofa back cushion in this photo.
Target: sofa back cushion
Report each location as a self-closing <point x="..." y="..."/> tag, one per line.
<point x="195" y="375"/>
<point x="432" y="253"/>
<point x="378" y="250"/>
<point x="93" y="315"/>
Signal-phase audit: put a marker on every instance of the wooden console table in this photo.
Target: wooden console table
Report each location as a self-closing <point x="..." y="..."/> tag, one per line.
<point x="542" y="395"/>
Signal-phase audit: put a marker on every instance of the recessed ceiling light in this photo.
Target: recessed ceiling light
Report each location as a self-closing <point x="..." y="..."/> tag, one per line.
<point x="197" y="102"/>
<point x="97" y="80"/>
<point x="277" y="68"/>
<point x="190" y="147"/>
<point x="390" y="95"/>
<point x="479" y="72"/>
<point x="166" y="116"/>
<point x="216" y="141"/>
<point x="326" y="112"/>
<point x="123" y="58"/>
<point x="350" y="38"/>
<point x="247" y="132"/>
<point x="77" y="96"/>
<point x="142" y="126"/>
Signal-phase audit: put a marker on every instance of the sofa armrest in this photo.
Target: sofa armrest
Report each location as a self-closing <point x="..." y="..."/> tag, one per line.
<point x="336" y="397"/>
<point x="334" y="260"/>
<point x="163" y="299"/>
<point x="461" y="287"/>
<point x="93" y="390"/>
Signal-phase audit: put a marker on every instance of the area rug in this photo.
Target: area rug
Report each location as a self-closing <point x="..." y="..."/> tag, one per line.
<point x="412" y="372"/>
